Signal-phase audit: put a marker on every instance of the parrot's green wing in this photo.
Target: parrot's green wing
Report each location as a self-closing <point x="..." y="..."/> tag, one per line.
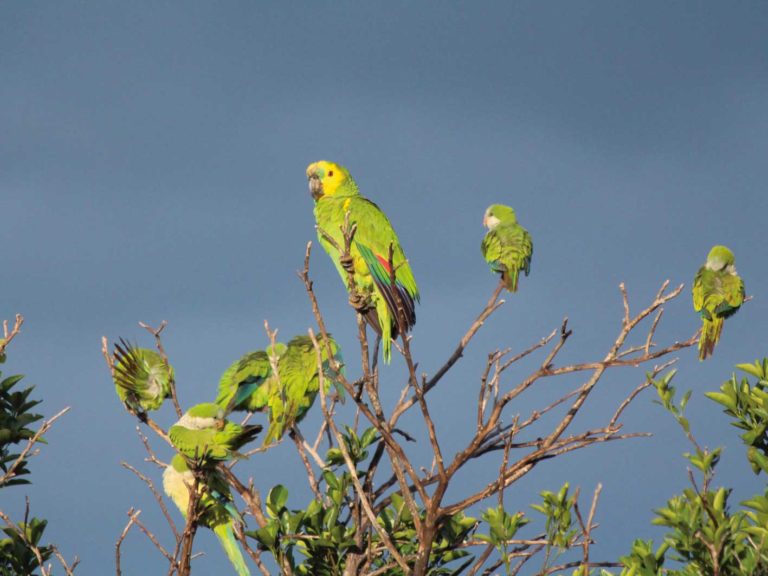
<point x="292" y="395"/>
<point x="717" y="294"/>
<point x="198" y="444"/>
<point x="701" y="282"/>
<point x="142" y="378"/>
<point x="370" y="252"/>
<point x="244" y="385"/>
<point x="373" y="238"/>
<point x="336" y="195"/>
<point x="209" y="437"/>
<point x="508" y="250"/>
<point x="288" y="393"/>
<point x="733" y="295"/>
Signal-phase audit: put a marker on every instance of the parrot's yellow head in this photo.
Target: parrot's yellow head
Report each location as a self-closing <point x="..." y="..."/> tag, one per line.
<point x="327" y="179"/>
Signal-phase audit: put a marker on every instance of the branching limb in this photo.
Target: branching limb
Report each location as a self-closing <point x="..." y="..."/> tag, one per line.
<point x="586" y="527"/>
<point x="45" y="570"/>
<point x="400" y="462"/>
<point x="142" y="417"/>
<point x="27" y="451"/>
<point x="161" y="350"/>
<point x="152" y="538"/>
<point x="254" y="554"/>
<point x="183" y="550"/>
<point x="302" y="448"/>
<point x="642" y="386"/>
<point x="132" y="515"/>
<point x="364" y="501"/>
<point x="249" y="494"/>
<point x="493" y="304"/>
<point x="9" y="335"/>
<point x="156" y="495"/>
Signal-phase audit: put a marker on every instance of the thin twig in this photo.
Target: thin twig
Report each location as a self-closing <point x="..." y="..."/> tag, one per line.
<point x="10" y="335"/>
<point x="157" y="496"/>
<point x="132" y="515"/>
<point x="366" y="505"/>
<point x="159" y="345"/>
<point x="11" y="472"/>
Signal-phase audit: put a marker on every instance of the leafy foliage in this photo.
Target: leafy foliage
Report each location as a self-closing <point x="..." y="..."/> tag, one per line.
<point x="15" y="418"/>
<point x="21" y="551"/>
<point x="747" y="405"/>
<point x="324" y="532"/>
<point x="16" y="555"/>
<point x="707" y="537"/>
<point x="377" y="510"/>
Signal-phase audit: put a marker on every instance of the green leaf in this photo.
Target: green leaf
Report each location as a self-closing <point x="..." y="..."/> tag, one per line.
<point x="276" y="500"/>
<point x="331" y="480"/>
<point x="754" y="369"/>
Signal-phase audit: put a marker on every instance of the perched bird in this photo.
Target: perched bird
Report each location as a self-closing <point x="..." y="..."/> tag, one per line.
<point x="507" y="246"/>
<point x="217" y="509"/>
<point x="335" y="193"/>
<point x="292" y="394"/>
<point x="244" y="385"/>
<point x="204" y="433"/>
<point x="142" y="378"/>
<point x="718" y="292"/>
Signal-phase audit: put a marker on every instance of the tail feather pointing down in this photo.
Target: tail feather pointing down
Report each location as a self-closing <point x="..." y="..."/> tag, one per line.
<point x="226" y="536"/>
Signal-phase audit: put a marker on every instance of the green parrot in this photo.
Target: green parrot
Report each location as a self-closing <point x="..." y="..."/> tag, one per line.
<point x="718" y="292"/>
<point x="299" y="383"/>
<point x="335" y="193"/>
<point x="507" y="246"/>
<point x="244" y="385"/>
<point x="218" y="511"/>
<point x="204" y="432"/>
<point x="142" y="378"/>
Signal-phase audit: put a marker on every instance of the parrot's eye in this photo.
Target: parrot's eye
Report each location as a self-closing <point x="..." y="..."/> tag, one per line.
<point x="330" y="173"/>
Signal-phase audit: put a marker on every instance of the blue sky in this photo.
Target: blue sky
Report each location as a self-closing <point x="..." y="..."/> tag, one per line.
<point x="152" y="162"/>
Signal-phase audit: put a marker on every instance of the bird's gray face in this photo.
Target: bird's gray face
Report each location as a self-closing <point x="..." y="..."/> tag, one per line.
<point x="315" y="185"/>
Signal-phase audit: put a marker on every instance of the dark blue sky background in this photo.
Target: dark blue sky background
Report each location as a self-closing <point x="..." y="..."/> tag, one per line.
<point x="152" y="161"/>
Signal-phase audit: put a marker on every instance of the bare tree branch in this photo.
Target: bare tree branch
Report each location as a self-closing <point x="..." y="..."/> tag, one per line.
<point x="11" y="472"/>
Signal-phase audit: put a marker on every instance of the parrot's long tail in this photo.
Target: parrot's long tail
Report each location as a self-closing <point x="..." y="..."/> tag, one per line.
<point x="226" y="535"/>
<point x="710" y="334"/>
<point x="510" y="279"/>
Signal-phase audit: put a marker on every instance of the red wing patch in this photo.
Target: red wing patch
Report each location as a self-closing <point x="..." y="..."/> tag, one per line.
<point x="384" y="262"/>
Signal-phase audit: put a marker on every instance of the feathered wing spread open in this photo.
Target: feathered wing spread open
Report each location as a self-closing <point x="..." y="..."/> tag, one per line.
<point x="142" y="378"/>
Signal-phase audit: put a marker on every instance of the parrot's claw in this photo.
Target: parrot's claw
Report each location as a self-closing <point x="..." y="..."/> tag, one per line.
<point x="348" y="263"/>
<point x="359" y="302"/>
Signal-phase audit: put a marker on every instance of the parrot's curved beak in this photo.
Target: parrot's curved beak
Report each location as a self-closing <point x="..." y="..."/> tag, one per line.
<point x="485" y="220"/>
<point x="315" y="186"/>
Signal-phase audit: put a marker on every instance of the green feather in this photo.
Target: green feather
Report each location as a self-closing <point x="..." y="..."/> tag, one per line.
<point x="292" y="394"/>
<point x="244" y="385"/>
<point x="372" y="242"/>
<point x="216" y="506"/>
<point x="718" y="292"/>
<point x="142" y="378"/>
<point x="507" y="246"/>
<point x="204" y="433"/>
